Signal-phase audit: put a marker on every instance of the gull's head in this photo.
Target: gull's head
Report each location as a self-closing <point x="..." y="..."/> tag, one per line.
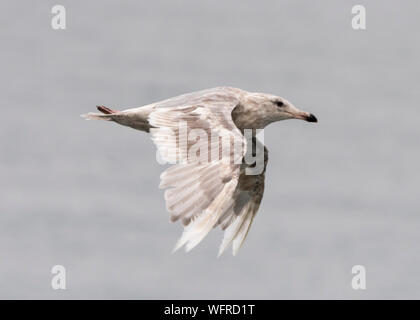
<point x="273" y="108"/>
<point x="283" y="109"/>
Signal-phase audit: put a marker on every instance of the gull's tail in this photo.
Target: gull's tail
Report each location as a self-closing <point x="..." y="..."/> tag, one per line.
<point x="136" y="118"/>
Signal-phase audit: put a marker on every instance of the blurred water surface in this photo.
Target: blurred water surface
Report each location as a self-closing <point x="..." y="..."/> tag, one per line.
<point x="85" y="194"/>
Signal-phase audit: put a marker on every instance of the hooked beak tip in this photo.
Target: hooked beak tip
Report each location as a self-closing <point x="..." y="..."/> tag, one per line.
<point x="311" y="118"/>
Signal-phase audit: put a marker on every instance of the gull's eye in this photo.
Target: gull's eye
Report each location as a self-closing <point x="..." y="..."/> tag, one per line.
<point x="278" y="103"/>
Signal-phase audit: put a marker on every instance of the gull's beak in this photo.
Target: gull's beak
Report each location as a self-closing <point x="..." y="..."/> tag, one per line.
<point x="294" y="113"/>
<point x="311" y="118"/>
<point x="302" y="115"/>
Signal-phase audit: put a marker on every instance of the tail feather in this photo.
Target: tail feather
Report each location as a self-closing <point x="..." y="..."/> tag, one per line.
<point x="96" y="116"/>
<point x="136" y="118"/>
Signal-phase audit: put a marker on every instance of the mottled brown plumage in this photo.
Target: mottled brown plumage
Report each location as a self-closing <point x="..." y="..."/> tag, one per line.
<point x="211" y="182"/>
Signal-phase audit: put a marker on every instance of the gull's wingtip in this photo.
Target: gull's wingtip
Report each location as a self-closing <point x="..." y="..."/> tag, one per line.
<point x="178" y="245"/>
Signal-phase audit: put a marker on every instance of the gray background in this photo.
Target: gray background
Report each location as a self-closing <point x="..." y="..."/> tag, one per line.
<point x="85" y="194"/>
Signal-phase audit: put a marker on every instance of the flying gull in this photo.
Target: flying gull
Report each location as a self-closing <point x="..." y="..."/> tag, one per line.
<point x="220" y="192"/>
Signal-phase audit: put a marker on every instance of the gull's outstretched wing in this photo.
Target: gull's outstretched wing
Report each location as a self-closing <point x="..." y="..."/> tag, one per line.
<point x="247" y="197"/>
<point x="205" y="189"/>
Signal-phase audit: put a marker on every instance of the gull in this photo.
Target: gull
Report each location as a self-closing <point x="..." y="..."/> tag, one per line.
<point x="204" y="195"/>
